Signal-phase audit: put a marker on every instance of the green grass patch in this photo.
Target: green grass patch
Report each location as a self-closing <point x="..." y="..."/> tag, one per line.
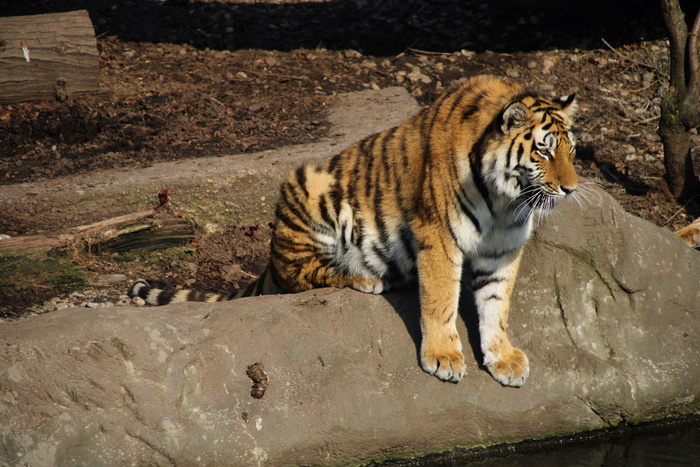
<point x="23" y="272"/>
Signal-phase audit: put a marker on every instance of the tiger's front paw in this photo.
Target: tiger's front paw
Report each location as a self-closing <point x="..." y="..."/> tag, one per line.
<point x="373" y="286"/>
<point x="447" y="364"/>
<point x="511" y="369"/>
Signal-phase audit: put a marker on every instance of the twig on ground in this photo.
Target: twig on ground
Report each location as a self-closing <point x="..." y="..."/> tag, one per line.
<point x="679" y="211"/>
<point x="625" y="57"/>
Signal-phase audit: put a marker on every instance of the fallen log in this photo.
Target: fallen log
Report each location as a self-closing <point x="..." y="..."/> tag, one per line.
<point x="144" y="234"/>
<point x="46" y="57"/>
<point x="143" y="230"/>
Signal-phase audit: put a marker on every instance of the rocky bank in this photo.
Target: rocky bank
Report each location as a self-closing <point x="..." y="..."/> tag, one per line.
<point x="607" y="307"/>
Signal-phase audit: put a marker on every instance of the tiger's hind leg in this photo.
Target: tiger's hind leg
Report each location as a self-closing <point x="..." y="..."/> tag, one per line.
<point x="315" y="272"/>
<point x="302" y="262"/>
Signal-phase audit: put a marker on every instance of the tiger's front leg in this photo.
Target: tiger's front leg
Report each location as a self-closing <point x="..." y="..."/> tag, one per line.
<point x="492" y="283"/>
<point x="439" y="277"/>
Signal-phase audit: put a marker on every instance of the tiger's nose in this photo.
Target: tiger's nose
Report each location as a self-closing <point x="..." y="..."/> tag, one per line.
<point x="568" y="189"/>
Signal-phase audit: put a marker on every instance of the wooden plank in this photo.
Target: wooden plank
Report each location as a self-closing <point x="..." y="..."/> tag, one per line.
<point x="46" y="57"/>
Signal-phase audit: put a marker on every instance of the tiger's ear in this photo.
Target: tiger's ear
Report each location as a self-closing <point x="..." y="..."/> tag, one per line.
<point x="568" y="104"/>
<point x="513" y="115"/>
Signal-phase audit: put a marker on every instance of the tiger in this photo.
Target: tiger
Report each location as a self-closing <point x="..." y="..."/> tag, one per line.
<point x="690" y="234"/>
<point x="457" y="185"/>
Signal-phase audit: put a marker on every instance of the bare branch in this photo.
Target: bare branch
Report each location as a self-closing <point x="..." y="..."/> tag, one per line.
<point x="677" y="36"/>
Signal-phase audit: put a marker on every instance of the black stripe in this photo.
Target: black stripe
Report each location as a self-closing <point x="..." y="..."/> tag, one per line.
<point x="510" y="151"/>
<point x="296" y="205"/>
<point x="425" y="132"/>
<point x="458" y="98"/>
<point x="497" y="254"/>
<point x="336" y="195"/>
<point x="292" y="246"/>
<point x="469" y="112"/>
<point x="521" y="151"/>
<point x="351" y="187"/>
<point x="463" y="194"/>
<point x="334" y="164"/>
<point x="388" y="137"/>
<point x="300" y="213"/>
<point x="422" y="245"/>
<point x="164" y="297"/>
<point x="431" y="203"/>
<point x="447" y="250"/>
<point x="472" y="217"/>
<point x="301" y="180"/>
<point x="373" y="269"/>
<point x="367" y="147"/>
<point x="292" y="261"/>
<point x="475" y="164"/>
<point x="379" y="218"/>
<point x="404" y="153"/>
<point x="325" y="260"/>
<point x="480" y="273"/>
<point x="196" y="296"/>
<point x="408" y="242"/>
<point x="298" y="208"/>
<point x="358" y="236"/>
<point x="452" y="232"/>
<point x="545" y="108"/>
<point x="381" y="254"/>
<point x="323" y="207"/>
<point x="481" y="283"/>
<point x="280" y="216"/>
<point x="470" y="109"/>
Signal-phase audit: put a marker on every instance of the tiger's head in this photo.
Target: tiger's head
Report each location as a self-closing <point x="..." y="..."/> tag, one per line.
<point x="535" y="150"/>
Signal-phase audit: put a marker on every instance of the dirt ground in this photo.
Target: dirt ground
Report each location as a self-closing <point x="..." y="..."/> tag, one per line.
<point x="199" y="78"/>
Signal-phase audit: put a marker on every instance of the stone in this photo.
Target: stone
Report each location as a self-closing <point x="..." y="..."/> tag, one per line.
<point x="110" y="278"/>
<point x="606" y="307"/>
<point x="138" y="301"/>
<point x="418" y="77"/>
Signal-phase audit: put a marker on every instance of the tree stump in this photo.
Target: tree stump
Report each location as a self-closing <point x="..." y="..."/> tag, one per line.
<point x="45" y="57"/>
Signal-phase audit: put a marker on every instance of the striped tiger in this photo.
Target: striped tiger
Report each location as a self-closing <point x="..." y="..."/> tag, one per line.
<point x="690" y="234"/>
<point x="456" y="185"/>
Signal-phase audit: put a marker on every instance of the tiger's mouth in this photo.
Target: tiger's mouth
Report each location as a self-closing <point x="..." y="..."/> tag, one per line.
<point x="538" y="198"/>
<point x="545" y="203"/>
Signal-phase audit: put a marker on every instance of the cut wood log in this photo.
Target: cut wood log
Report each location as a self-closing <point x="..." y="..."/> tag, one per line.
<point x="30" y="242"/>
<point x="144" y="234"/>
<point x="46" y="57"/>
<point x="144" y="230"/>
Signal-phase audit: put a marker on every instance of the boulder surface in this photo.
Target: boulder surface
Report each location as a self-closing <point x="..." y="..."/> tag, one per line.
<point x="607" y="307"/>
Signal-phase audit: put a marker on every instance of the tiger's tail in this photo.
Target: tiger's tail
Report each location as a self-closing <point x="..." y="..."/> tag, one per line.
<point x="161" y="293"/>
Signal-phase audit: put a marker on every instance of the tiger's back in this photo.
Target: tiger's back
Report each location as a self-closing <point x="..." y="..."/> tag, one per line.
<point x="354" y="213"/>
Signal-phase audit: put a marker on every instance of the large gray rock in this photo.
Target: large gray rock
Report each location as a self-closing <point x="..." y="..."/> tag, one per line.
<point x="607" y="307"/>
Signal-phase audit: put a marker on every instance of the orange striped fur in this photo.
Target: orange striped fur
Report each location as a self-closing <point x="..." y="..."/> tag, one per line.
<point x="690" y="234"/>
<point x="456" y="185"/>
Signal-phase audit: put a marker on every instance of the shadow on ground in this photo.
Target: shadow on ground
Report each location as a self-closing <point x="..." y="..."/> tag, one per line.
<point x="382" y="28"/>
